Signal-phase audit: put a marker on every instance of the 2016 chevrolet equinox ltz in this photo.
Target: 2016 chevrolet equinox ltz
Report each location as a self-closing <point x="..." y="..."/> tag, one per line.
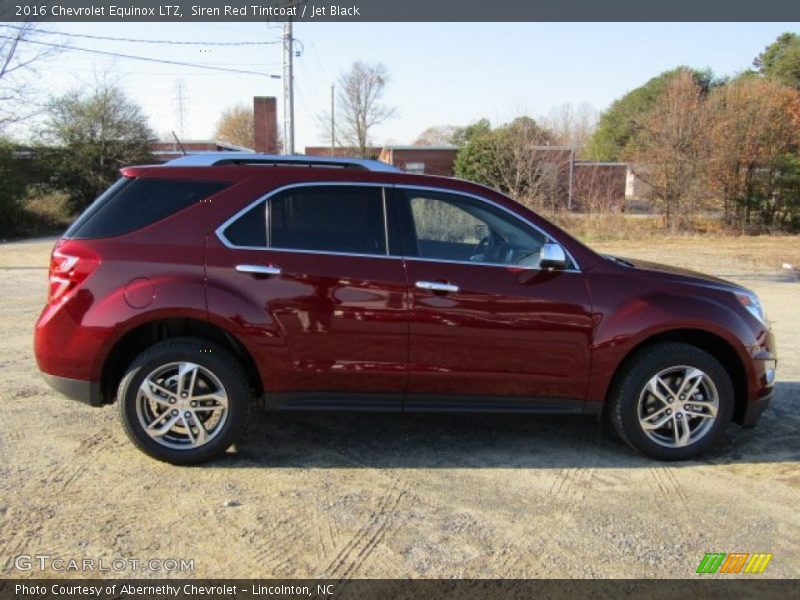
<point x="188" y="289"/>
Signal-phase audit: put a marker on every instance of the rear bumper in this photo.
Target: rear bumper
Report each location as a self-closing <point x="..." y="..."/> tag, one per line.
<point x="87" y="392"/>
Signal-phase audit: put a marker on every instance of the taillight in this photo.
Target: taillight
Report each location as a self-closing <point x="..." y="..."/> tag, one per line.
<point x="70" y="263"/>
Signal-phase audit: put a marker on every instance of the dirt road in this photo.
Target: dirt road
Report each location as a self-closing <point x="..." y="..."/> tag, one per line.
<point x="397" y="496"/>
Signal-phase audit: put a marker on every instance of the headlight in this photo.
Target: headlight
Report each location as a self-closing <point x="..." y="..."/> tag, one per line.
<point x="753" y="305"/>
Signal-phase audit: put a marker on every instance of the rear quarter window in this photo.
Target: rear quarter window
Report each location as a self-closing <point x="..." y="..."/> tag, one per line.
<point x="131" y="204"/>
<point x="249" y="230"/>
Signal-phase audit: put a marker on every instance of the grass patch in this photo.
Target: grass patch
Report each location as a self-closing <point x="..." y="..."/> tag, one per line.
<point x="620" y="226"/>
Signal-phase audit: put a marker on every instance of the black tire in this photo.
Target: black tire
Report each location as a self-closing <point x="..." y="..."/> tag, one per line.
<point x="644" y="366"/>
<point x="215" y="360"/>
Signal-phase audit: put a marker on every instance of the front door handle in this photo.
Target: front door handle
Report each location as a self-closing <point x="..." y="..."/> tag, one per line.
<point x="259" y="269"/>
<point x="437" y="286"/>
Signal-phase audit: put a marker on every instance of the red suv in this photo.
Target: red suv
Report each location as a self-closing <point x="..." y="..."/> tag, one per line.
<point x="188" y="289"/>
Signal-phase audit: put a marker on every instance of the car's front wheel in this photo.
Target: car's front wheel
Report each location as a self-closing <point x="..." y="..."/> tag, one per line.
<point x="184" y="401"/>
<point x="672" y="402"/>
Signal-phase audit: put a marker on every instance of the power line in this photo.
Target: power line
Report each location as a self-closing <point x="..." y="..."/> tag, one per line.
<point x="141" y="41"/>
<point x="146" y="58"/>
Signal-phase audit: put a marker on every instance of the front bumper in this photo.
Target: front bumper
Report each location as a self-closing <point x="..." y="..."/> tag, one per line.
<point x="87" y="392"/>
<point x="762" y="382"/>
<point x="753" y="410"/>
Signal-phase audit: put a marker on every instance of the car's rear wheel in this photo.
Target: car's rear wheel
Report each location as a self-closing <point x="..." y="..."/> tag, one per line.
<point x="184" y="401"/>
<point x="672" y="402"/>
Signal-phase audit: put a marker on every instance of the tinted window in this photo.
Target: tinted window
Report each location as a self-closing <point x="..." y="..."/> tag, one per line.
<point x="250" y="229"/>
<point x="328" y="218"/>
<point x="95" y="206"/>
<point x="454" y="227"/>
<point x="132" y="204"/>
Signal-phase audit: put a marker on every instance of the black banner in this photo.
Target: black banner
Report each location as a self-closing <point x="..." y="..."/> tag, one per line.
<point x="731" y="588"/>
<point x="399" y="11"/>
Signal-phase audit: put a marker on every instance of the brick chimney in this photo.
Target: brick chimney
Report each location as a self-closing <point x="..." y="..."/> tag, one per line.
<point x="265" y="122"/>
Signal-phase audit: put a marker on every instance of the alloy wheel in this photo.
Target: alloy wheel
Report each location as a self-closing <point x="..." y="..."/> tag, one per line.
<point x="182" y="405"/>
<point x="678" y="406"/>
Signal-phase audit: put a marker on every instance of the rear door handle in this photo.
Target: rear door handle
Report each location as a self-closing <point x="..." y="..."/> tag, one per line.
<point x="437" y="286"/>
<point x="259" y="269"/>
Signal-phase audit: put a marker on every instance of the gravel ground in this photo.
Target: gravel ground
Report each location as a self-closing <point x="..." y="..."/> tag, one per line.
<point x="346" y="495"/>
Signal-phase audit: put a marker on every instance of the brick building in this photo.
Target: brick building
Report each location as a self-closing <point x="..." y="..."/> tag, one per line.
<point x="430" y="160"/>
<point x="165" y="150"/>
<point x="373" y="152"/>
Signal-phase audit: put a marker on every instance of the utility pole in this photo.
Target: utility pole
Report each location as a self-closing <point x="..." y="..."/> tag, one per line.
<point x="571" y="177"/>
<point x="180" y="106"/>
<point x="333" y="123"/>
<point x="288" y="88"/>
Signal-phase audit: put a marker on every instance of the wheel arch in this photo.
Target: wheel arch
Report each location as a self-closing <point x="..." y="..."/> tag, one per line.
<point x="144" y="335"/>
<point x="715" y="345"/>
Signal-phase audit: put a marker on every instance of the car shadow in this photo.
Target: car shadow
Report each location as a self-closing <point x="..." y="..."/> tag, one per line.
<point x="451" y="441"/>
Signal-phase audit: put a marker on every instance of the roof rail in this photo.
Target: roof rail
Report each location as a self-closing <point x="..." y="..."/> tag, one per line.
<point x="209" y="159"/>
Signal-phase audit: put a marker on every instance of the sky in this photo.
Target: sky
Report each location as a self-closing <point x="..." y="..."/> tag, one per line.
<point x="441" y="73"/>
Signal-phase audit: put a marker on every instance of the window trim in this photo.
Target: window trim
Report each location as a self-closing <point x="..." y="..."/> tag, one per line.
<point x="385" y="221"/>
<point x="266" y="197"/>
<point x="220" y="231"/>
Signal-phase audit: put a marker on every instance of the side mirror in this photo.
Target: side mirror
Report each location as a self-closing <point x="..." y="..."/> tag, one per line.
<point x="552" y="257"/>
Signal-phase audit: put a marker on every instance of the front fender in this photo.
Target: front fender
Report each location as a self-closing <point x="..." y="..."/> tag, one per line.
<point x="628" y="315"/>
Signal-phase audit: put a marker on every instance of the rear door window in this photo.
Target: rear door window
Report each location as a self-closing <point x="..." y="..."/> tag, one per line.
<point x="341" y="219"/>
<point x="131" y="204"/>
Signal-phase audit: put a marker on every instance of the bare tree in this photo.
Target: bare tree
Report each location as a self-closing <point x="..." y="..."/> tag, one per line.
<point x="570" y="124"/>
<point x="599" y="189"/>
<point x="529" y="166"/>
<point x="752" y="122"/>
<point x="669" y="151"/>
<point x="235" y="126"/>
<point x="438" y="135"/>
<point x="17" y="61"/>
<point x="360" y="106"/>
<point x="519" y="159"/>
